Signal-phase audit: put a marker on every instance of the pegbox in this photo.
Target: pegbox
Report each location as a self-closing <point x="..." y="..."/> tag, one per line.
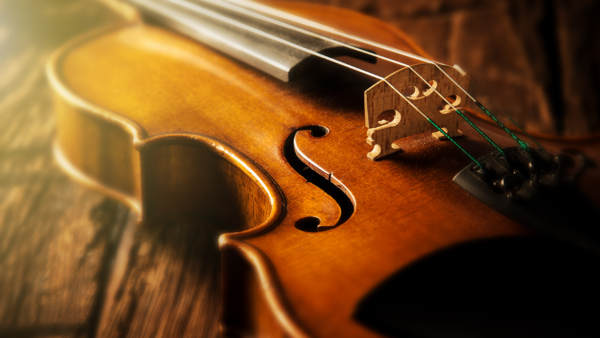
<point x="389" y="117"/>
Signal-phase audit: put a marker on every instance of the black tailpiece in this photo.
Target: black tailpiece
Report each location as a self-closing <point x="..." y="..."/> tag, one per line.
<point x="533" y="188"/>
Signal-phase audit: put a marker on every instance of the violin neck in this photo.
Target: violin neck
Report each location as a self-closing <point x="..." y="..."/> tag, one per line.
<point x="241" y="34"/>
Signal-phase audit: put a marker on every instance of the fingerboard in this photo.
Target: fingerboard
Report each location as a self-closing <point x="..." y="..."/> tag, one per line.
<point x="256" y="42"/>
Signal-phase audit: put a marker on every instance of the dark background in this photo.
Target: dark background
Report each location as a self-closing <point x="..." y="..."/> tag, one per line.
<point x="58" y="240"/>
<point x="538" y="59"/>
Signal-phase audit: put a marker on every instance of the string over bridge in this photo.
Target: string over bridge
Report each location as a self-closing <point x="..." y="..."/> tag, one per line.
<point x="407" y="121"/>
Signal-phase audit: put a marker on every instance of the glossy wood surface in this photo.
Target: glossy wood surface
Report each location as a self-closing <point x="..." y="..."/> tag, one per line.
<point x="189" y="135"/>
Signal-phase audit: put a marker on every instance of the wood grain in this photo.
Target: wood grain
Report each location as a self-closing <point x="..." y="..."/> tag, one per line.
<point x="405" y="209"/>
<point x="407" y="120"/>
<point x="303" y="277"/>
<point x="59" y="241"/>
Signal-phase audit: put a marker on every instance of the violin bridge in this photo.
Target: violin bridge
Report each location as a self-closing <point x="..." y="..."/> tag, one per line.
<point x="390" y="117"/>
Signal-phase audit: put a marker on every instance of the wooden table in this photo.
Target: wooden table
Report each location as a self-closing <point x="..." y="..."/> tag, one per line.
<point x="72" y="262"/>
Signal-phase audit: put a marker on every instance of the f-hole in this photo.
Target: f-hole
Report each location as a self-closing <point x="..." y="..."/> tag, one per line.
<point x="310" y="224"/>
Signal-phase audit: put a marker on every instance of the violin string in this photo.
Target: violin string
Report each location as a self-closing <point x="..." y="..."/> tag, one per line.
<point x="204" y="11"/>
<point x="522" y="144"/>
<point x="505" y="114"/>
<point x="297" y="19"/>
<point x="255" y="15"/>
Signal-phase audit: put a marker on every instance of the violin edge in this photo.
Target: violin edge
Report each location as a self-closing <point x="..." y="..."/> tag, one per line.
<point x="66" y="98"/>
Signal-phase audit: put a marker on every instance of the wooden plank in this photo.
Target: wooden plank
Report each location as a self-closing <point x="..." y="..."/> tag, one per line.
<point x="57" y="239"/>
<point x="170" y="287"/>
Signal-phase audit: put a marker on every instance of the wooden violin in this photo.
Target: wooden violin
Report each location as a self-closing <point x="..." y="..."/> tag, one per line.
<point x="315" y="169"/>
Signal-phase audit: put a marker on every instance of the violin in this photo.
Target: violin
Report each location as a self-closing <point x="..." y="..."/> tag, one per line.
<point x="354" y="186"/>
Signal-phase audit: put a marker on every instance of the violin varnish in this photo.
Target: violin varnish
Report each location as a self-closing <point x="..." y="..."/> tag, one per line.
<point x="381" y="100"/>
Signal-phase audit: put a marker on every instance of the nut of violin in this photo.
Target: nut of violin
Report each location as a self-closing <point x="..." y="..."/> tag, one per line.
<point x="423" y="86"/>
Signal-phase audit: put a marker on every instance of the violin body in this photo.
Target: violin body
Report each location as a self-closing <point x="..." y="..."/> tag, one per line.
<point x="184" y="134"/>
